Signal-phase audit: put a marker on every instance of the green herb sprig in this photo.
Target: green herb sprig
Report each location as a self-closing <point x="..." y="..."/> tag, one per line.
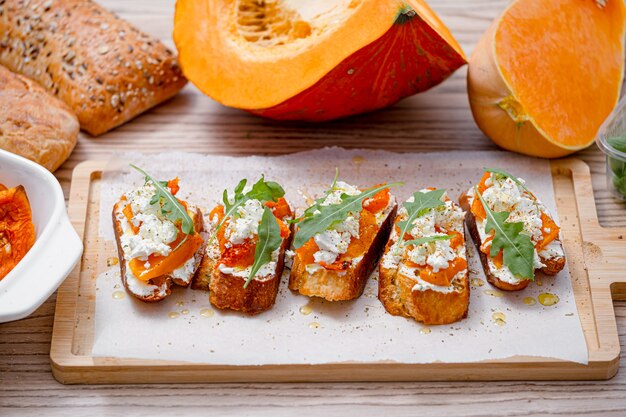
<point x="518" y="249"/>
<point x="428" y="239"/>
<point x="268" y="230"/>
<point x="171" y="209"/>
<point x="269" y="241"/>
<point x="318" y="218"/>
<point x="422" y="204"/>
<point x="618" y="166"/>
<point x="261" y="190"/>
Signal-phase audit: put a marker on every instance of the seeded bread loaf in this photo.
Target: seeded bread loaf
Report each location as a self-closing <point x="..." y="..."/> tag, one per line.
<point x="103" y="67"/>
<point x="34" y="124"/>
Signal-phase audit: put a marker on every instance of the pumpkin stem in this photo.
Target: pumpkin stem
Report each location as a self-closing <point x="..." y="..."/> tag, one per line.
<point x="406" y="15"/>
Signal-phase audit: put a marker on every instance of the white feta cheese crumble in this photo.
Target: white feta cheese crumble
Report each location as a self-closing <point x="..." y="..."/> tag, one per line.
<point x="246" y="224"/>
<point x="324" y="256"/>
<point x="333" y="241"/>
<point x="437" y="255"/>
<point x="155" y="233"/>
<point x="552" y="250"/>
<point x="506" y="195"/>
<point x="334" y="197"/>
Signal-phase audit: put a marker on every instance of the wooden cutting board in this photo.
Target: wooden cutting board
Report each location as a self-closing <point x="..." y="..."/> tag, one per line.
<point x="597" y="262"/>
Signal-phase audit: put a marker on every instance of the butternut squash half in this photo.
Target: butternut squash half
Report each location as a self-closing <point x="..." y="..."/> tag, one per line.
<point x="547" y="74"/>
<point x="312" y="60"/>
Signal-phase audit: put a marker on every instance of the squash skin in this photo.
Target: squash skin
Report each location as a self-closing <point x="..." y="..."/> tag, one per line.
<point x="499" y="113"/>
<point x="340" y="74"/>
<point x="17" y="232"/>
<point x="414" y="56"/>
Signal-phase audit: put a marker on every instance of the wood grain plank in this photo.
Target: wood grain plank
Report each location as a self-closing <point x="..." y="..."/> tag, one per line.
<point x="436" y="120"/>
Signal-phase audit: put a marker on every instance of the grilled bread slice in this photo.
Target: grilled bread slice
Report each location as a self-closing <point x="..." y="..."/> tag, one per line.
<point x="139" y="229"/>
<point x="226" y="266"/>
<point x="427" y="281"/>
<point x="323" y="268"/>
<point x="504" y="193"/>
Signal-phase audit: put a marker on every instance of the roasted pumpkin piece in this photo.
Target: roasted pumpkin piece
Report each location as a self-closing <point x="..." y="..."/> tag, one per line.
<point x="17" y="232"/>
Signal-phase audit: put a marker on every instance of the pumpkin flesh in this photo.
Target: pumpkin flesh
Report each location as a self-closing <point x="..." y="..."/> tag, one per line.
<point x="547" y="74"/>
<point x="312" y="60"/>
<point x="17" y="232"/>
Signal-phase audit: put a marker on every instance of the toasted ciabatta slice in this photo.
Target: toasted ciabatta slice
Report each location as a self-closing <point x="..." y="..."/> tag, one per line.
<point x="227" y="269"/>
<point x="505" y="193"/>
<point x="153" y="250"/>
<point x="425" y="275"/>
<point x="336" y="261"/>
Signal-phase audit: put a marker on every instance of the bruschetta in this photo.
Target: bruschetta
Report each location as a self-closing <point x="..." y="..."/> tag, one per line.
<point x="423" y="272"/>
<point x="244" y="260"/>
<point x="339" y="241"/>
<point x="502" y="210"/>
<point x="159" y="239"/>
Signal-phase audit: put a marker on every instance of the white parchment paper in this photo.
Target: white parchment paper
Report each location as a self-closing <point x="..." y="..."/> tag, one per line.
<point x="300" y="330"/>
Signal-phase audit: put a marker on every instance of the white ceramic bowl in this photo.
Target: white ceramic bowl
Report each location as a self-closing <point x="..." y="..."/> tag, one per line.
<point x="57" y="247"/>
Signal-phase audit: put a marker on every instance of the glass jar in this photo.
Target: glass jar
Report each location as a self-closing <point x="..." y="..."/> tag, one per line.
<point x="611" y="140"/>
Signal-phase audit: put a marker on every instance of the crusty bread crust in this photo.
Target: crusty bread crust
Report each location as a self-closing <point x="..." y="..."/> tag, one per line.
<point x="33" y="123"/>
<point x="103" y="67"/>
<point x="395" y="291"/>
<point x="348" y="285"/>
<point x="553" y="265"/>
<point x="226" y="291"/>
<point x="162" y="283"/>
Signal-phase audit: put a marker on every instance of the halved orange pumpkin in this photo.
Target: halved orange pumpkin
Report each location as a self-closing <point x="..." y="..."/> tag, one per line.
<point x="312" y="60"/>
<point x="547" y="74"/>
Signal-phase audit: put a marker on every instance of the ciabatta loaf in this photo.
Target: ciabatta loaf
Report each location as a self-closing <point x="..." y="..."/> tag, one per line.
<point x="227" y="265"/>
<point x="33" y="123"/>
<point x="503" y="193"/>
<point x="427" y="281"/>
<point x="151" y="245"/>
<point x="104" y="68"/>
<point x="336" y="263"/>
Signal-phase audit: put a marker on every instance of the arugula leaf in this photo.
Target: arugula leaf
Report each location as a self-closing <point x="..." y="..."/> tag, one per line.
<point x="315" y="222"/>
<point x="518" y="249"/>
<point x="238" y="195"/>
<point x="171" y="209"/>
<point x="261" y="190"/>
<point x="428" y="239"/>
<point x="422" y="203"/>
<point x="317" y="203"/>
<point x="265" y="191"/>
<point x="269" y="241"/>
<point x="617" y="143"/>
<point x="334" y="184"/>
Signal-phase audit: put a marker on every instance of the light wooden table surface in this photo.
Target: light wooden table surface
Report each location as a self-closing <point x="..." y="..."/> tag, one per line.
<point x="437" y="120"/>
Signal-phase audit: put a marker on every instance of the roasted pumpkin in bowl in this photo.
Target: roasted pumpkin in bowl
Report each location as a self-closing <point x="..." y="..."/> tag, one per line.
<point x="38" y="245"/>
<point x="17" y="232"/>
